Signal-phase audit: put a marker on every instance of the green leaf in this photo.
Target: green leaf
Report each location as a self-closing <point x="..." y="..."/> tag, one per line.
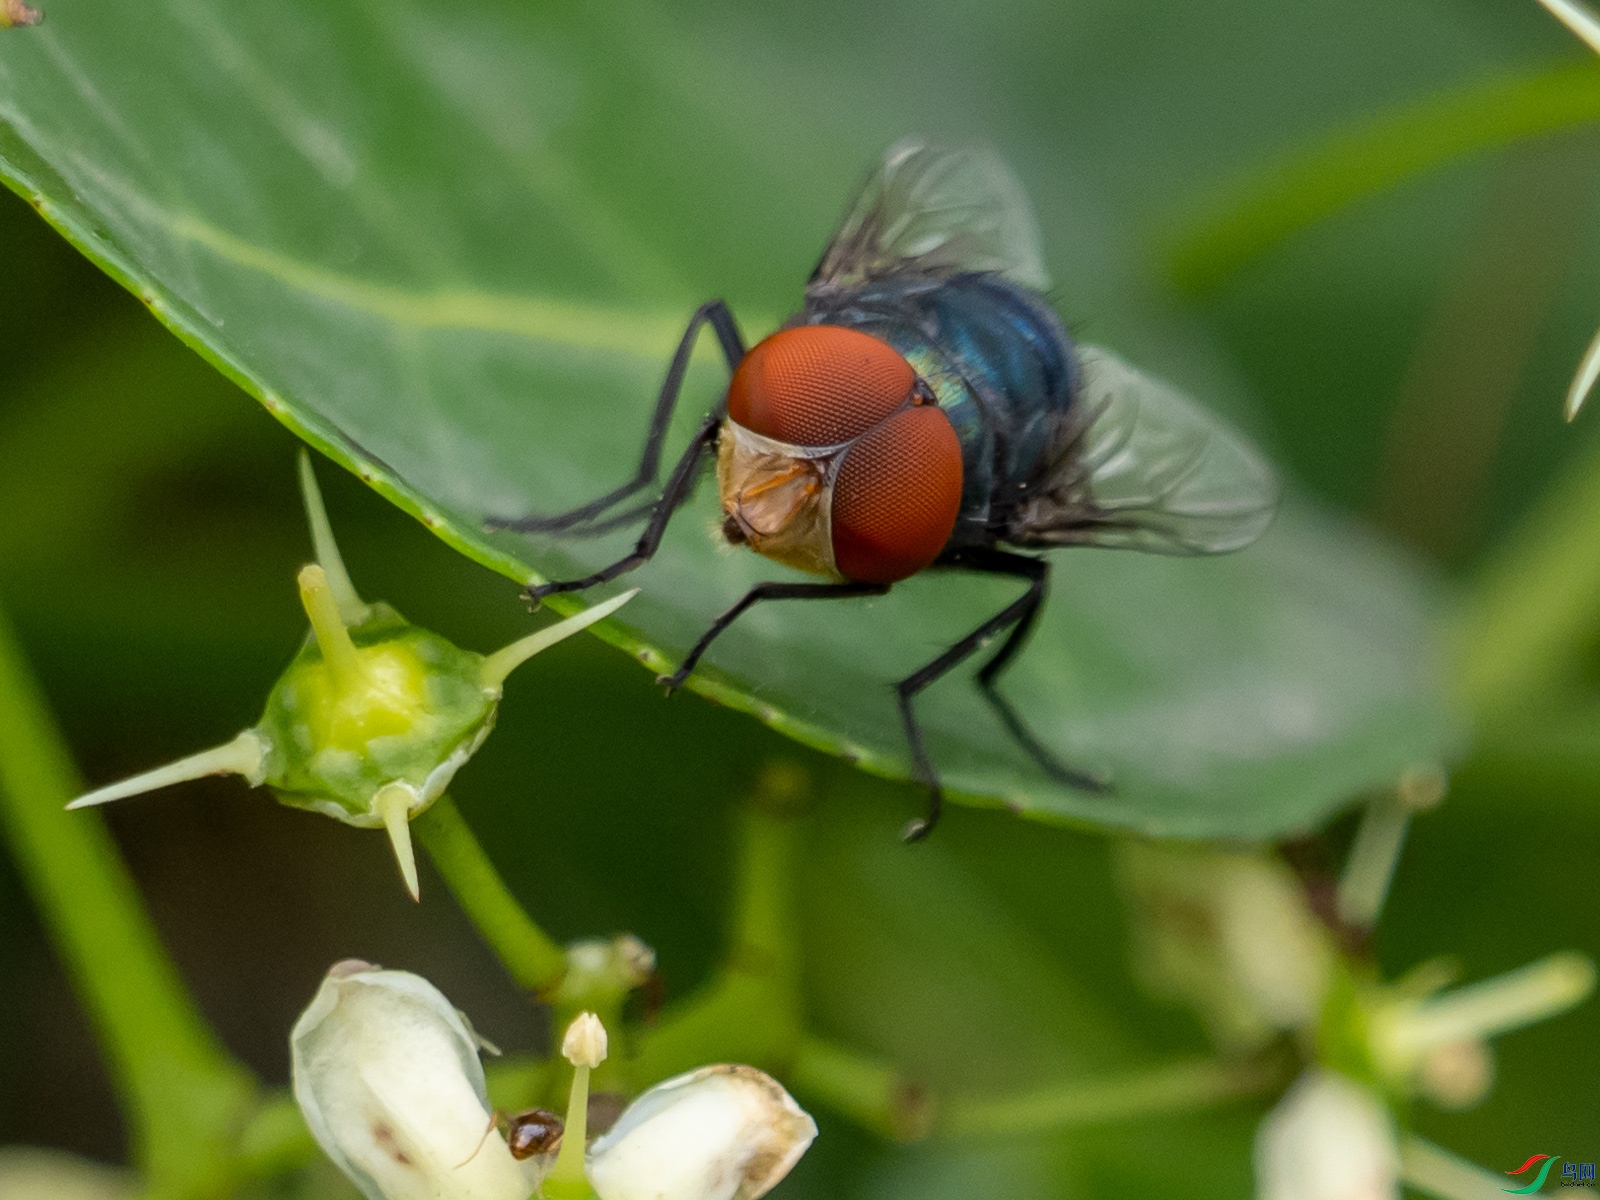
<point x="440" y="245"/>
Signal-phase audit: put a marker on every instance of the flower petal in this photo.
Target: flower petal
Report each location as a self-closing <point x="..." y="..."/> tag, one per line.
<point x="719" y="1133"/>
<point x="386" y="1072"/>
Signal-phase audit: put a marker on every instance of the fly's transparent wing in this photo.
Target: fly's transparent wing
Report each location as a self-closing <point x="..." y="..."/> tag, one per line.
<point x="1146" y="468"/>
<point x="933" y="210"/>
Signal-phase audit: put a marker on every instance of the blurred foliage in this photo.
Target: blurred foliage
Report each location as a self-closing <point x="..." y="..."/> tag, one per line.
<point x="1404" y="358"/>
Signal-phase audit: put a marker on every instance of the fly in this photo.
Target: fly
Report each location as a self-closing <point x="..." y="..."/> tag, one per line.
<point x="927" y="409"/>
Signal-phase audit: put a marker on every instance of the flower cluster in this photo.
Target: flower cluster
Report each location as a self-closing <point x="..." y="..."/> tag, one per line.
<point x="387" y="1074"/>
<point x="1231" y="933"/>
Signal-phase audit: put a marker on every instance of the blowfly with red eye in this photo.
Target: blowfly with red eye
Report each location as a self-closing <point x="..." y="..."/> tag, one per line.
<point x="927" y="410"/>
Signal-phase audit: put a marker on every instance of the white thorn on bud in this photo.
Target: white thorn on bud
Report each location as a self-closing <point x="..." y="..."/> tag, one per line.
<point x="327" y="625"/>
<point x="502" y="662"/>
<point x="245" y="755"/>
<point x="1589" y="366"/>
<point x="393" y="803"/>
<point x="352" y="610"/>
<point x="1327" y="1139"/>
<point x="719" y="1133"/>
<point x="585" y="1043"/>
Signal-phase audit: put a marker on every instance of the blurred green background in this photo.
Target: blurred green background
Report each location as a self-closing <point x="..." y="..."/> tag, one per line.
<point x="1404" y="360"/>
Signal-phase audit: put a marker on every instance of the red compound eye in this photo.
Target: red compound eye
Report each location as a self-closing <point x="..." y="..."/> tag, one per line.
<point x="818" y="385"/>
<point x="896" y="497"/>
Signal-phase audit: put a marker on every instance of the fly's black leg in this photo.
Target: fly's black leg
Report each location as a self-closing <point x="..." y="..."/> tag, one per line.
<point x="766" y="591"/>
<point x="1018" y="616"/>
<point x="1037" y="572"/>
<point x="612" y="522"/>
<point x="675" y="493"/>
<point x="716" y="314"/>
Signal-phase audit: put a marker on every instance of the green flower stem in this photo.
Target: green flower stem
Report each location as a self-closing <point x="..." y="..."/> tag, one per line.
<point x="520" y="1081"/>
<point x="276" y="1139"/>
<point x="535" y="959"/>
<point x="568" y="1177"/>
<point x="869" y="1092"/>
<point x="1273" y="202"/>
<point x="1523" y="629"/>
<point x="1176" y="1087"/>
<point x="750" y="1010"/>
<point x="185" y="1097"/>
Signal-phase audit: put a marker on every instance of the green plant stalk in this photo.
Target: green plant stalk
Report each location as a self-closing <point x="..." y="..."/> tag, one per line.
<point x="750" y="1010"/>
<point x="1271" y="203"/>
<point x="1175" y="1087"/>
<point x="534" y="959"/>
<point x="186" y="1099"/>
<point x="276" y="1140"/>
<point x="868" y="1091"/>
<point x="1521" y="631"/>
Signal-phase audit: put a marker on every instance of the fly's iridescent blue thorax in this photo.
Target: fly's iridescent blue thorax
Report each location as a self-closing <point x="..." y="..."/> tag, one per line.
<point x="1001" y="365"/>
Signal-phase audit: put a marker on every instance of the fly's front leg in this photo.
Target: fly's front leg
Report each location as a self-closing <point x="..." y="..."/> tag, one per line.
<point x="676" y="492"/>
<point x="765" y="591"/>
<point x="582" y="519"/>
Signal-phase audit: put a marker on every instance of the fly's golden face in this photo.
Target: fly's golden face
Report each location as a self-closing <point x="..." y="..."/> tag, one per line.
<point x="777" y="498"/>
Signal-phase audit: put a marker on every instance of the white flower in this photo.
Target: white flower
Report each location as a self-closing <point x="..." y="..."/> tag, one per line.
<point x="1230" y="934"/>
<point x="718" y="1133"/>
<point x="1328" y="1139"/>
<point x="386" y="1072"/>
<point x="29" y="1173"/>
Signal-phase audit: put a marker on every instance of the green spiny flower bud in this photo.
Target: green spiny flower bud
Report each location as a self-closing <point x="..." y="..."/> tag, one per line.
<point x="374" y="716"/>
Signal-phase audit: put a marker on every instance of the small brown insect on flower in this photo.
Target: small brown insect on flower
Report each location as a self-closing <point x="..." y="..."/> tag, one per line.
<point x="536" y="1131"/>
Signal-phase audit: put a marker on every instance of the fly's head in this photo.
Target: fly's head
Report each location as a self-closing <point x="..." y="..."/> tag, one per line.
<point x="835" y="459"/>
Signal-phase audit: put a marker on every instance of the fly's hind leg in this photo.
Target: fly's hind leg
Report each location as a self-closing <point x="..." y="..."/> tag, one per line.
<point x="598" y="515"/>
<point x="1037" y="572"/>
<point x="1017" y="617"/>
